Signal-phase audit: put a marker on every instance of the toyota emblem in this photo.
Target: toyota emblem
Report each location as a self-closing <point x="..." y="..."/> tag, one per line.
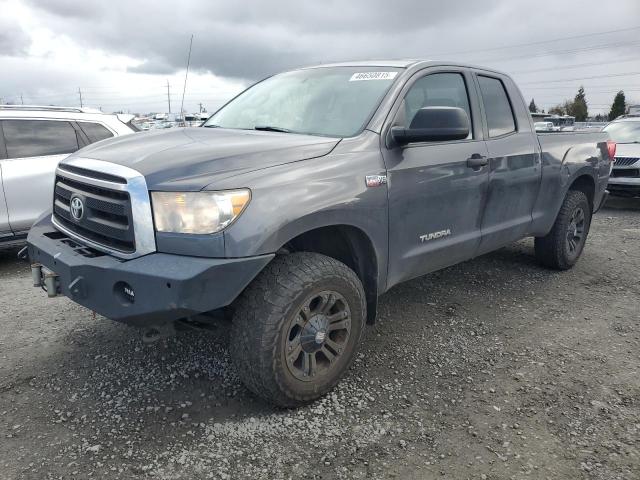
<point x="77" y="208"/>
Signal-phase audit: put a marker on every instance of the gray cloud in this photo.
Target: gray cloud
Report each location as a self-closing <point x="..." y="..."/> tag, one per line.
<point x="255" y="38"/>
<point x="13" y="39"/>
<point x="252" y="39"/>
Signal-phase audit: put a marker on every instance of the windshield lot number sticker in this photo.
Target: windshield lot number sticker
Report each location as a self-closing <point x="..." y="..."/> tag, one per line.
<point x="358" y="77"/>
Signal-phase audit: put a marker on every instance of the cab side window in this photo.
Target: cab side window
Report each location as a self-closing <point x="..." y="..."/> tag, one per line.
<point x="497" y="107"/>
<point x="36" y="138"/>
<point x="437" y="90"/>
<point x="94" y="131"/>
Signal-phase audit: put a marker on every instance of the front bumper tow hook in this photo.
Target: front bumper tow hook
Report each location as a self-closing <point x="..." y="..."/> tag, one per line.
<point x="24" y="254"/>
<point x="36" y="274"/>
<point x="45" y="278"/>
<point x="51" y="284"/>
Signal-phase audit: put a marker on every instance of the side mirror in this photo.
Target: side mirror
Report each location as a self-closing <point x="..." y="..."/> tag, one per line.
<point x="434" y="124"/>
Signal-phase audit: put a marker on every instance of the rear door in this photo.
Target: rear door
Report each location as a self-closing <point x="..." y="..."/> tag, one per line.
<point x="436" y="197"/>
<point x="5" y="229"/>
<point x="514" y="162"/>
<point x="33" y="150"/>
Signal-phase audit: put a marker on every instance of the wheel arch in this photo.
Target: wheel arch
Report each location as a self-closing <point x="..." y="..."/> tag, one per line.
<point x="348" y="244"/>
<point x="584" y="183"/>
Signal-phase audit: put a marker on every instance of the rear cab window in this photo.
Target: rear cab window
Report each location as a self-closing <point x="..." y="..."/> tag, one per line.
<point x="497" y="106"/>
<point x="94" y="131"/>
<point x="36" y="138"/>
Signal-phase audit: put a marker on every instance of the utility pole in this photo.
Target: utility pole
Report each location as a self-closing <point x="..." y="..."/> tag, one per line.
<point x="21" y="100"/>
<point x="168" y="96"/>
<point x="80" y="94"/>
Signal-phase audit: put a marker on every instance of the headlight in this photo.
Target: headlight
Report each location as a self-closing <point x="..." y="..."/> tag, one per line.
<point x="197" y="212"/>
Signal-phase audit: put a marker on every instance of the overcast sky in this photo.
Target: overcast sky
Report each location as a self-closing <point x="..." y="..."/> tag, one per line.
<point x="122" y="53"/>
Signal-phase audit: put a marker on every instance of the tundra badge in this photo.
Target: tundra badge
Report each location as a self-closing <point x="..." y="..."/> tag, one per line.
<point x="434" y="235"/>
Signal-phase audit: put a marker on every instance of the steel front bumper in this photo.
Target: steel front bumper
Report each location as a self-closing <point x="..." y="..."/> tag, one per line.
<point x="147" y="290"/>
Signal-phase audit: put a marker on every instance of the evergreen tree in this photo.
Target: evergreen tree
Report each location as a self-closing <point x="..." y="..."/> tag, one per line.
<point x="568" y="107"/>
<point x="533" y="108"/>
<point x="619" y="106"/>
<point x="579" y="107"/>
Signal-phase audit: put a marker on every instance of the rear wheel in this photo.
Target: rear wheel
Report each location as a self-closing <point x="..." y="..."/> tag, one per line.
<point x="563" y="245"/>
<point x="296" y="328"/>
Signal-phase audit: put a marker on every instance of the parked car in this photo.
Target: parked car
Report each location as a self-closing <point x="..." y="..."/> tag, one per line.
<point x="562" y="123"/>
<point x="307" y="196"/>
<point x="163" y="124"/>
<point x="32" y="142"/>
<point x="543" y="127"/>
<point x="625" y="176"/>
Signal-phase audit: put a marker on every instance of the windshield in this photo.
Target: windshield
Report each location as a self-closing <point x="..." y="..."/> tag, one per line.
<point x="624" y="132"/>
<point x="331" y="101"/>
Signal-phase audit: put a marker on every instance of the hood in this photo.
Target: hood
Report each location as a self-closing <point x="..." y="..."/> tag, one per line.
<point x="192" y="158"/>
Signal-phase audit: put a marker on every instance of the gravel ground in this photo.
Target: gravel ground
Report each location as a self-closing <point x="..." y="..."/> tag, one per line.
<point x="495" y="368"/>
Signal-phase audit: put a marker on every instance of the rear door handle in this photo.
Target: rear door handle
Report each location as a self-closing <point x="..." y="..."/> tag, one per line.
<point x="477" y="161"/>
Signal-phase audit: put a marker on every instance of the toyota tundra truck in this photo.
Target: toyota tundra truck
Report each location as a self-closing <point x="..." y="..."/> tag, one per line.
<point x="307" y="196"/>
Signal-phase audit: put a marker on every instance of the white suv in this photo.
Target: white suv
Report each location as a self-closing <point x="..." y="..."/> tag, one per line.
<point x="625" y="176"/>
<point x="32" y="142"/>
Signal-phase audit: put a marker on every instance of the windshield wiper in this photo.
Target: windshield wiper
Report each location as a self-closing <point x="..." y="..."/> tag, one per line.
<point x="211" y="126"/>
<point x="269" y="128"/>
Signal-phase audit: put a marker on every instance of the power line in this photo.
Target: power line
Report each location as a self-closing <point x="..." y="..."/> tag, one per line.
<point x="620" y="87"/>
<point x="583" y="78"/>
<point x="541" y="42"/>
<point x="559" y="52"/>
<point x="577" y="65"/>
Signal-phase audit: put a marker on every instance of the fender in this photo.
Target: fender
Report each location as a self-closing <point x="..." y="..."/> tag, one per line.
<point x="289" y="200"/>
<point x="561" y="167"/>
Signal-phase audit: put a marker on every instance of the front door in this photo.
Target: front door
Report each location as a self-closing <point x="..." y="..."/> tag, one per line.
<point x="436" y="196"/>
<point x="34" y="149"/>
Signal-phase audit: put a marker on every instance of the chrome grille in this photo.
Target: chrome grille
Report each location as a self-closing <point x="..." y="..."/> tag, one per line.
<point x="625" y="161"/>
<point x="116" y="210"/>
<point x="107" y="217"/>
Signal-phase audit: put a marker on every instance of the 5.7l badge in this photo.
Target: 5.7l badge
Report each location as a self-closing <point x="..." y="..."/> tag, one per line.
<point x="375" y="180"/>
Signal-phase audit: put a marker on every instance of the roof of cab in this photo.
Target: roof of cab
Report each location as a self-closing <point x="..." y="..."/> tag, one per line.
<point x="407" y="63"/>
<point x="402" y="63"/>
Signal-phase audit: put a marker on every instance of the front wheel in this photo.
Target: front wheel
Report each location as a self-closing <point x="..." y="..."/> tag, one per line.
<point x="296" y="328"/>
<point x="562" y="246"/>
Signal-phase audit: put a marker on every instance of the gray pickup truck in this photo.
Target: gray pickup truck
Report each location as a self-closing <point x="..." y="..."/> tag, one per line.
<point x="306" y="197"/>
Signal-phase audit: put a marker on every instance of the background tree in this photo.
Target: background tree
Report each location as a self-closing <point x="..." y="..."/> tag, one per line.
<point x="557" y="110"/>
<point x="619" y="106"/>
<point x="579" y="108"/>
<point x="533" y="108"/>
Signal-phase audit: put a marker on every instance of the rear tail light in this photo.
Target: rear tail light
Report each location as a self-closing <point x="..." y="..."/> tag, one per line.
<point x="611" y="148"/>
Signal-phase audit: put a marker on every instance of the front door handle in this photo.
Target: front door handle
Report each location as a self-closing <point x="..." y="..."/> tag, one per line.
<point x="477" y="161"/>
